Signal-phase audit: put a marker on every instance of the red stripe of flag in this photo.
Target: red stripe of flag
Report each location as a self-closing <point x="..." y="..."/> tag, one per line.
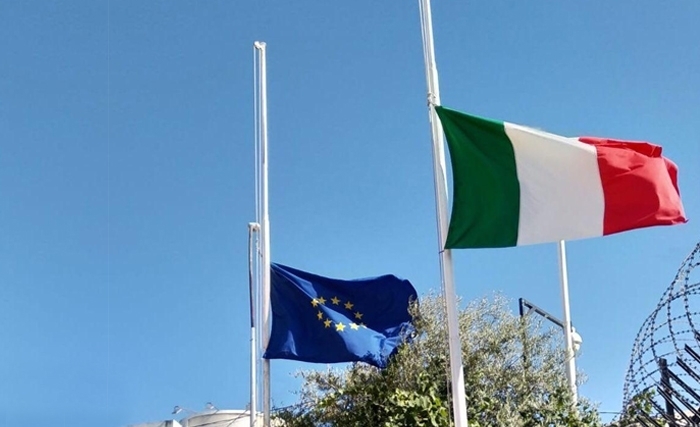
<point x="640" y="186"/>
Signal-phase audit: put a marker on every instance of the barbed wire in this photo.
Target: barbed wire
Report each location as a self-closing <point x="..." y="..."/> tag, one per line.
<point x="665" y="333"/>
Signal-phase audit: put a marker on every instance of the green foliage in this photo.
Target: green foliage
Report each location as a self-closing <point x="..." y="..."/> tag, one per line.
<point x="638" y="404"/>
<point x="514" y="377"/>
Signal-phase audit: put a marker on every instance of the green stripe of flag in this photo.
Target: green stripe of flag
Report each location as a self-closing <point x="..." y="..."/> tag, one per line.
<point x="486" y="192"/>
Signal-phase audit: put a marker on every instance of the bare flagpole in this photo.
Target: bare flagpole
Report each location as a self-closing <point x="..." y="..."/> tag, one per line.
<point x="253" y="227"/>
<point x="570" y="356"/>
<point x="459" y="402"/>
<point x="264" y="228"/>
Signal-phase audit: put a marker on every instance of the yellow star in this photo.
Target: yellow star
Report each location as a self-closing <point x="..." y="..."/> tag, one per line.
<point x="363" y="325"/>
<point x="354" y="326"/>
<point x="358" y="315"/>
<point x="327" y="323"/>
<point x="349" y="305"/>
<point x="320" y="315"/>
<point x="321" y="301"/>
<point x="339" y="327"/>
<point x="335" y="300"/>
<point x="314" y="302"/>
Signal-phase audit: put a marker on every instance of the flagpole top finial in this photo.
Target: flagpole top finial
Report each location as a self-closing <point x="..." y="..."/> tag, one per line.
<point x="259" y="45"/>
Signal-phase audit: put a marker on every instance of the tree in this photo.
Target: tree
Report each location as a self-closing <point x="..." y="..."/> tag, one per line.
<point x="514" y="375"/>
<point x="637" y="408"/>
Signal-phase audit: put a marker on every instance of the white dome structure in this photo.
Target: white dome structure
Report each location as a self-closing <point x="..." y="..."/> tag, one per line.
<point x="221" y="418"/>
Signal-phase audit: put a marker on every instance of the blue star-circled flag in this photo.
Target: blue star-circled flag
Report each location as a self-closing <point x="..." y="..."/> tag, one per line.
<point x="321" y="320"/>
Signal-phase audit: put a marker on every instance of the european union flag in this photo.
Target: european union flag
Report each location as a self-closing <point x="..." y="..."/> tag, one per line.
<point x="322" y="320"/>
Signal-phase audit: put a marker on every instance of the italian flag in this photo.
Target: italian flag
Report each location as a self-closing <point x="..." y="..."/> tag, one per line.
<point x="515" y="185"/>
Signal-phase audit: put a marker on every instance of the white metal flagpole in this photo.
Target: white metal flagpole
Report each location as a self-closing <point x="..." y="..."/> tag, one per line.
<point x="264" y="229"/>
<point x="568" y="336"/>
<point x="459" y="402"/>
<point x="253" y="227"/>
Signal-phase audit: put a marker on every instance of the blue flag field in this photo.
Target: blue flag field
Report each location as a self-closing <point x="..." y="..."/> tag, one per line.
<point x="321" y="320"/>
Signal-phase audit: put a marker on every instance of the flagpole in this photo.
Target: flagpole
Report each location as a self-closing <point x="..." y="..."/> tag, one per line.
<point x="253" y="227"/>
<point x="570" y="356"/>
<point x="459" y="402"/>
<point x="264" y="228"/>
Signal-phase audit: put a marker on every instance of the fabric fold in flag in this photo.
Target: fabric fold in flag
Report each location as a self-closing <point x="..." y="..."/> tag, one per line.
<point x="321" y="320"/>
<point x="514" y="185"/>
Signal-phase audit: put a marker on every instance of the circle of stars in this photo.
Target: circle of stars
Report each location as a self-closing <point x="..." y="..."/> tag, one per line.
<point x="339" y="326"/>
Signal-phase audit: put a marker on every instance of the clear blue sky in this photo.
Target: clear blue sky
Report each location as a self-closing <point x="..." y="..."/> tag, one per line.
<point x="126" y="177"/>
